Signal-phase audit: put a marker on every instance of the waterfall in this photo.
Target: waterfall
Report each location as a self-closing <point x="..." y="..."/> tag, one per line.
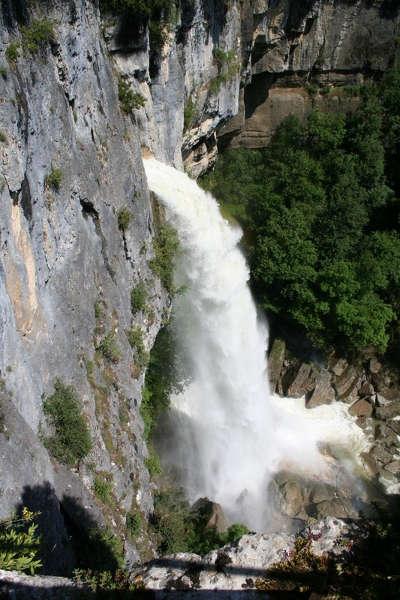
<point x="229" y="433"/>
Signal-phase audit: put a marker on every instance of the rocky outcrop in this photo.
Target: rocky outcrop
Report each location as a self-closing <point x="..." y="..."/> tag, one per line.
<point x="240" y="567"/>
<point x="306" y="55"/>
<point x="371" y="391"/>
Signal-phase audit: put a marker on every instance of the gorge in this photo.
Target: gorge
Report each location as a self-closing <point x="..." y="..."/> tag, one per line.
<point x="89" y="91"/>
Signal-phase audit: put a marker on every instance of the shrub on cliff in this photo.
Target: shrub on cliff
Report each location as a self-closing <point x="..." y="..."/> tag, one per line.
<point x="71" y="441"/>
<point x="165" y="245"/>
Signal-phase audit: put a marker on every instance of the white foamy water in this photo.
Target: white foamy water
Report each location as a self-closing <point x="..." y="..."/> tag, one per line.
<point x="231" y="434"/>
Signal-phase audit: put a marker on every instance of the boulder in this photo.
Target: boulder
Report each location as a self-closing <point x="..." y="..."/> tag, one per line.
<point x="324" y="392"/>
<point x="210" y="514"/>
<point x="275" y="362"/>
<point x="381" y="455"/>
<point x="394" y="467"/>
<point x="361" y="408"/>
<point x="338" y="366"/>
<point x="296" y="497"/>
<point x="389" y="411"/>
<point x="347" y="384"/>
<point x="304" y="381"/>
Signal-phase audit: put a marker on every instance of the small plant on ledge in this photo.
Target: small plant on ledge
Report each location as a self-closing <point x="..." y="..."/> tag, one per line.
<point x="128" y="99"/>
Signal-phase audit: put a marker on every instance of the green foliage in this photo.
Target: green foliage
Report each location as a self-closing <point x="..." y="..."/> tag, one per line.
<point x="138" y="298"/>
<point x="12" y="52"/>
<point x="124" y="218"/>
<point x="134" y="523"/>
<point x="227" y="64"/>
<point x="20" y="544"/>
<point x="102" y="487"/>
<point x="189" y="114"/>
<point x="105" y="581"/>
<point x="98" y="310"/>
<point x="37" y="35"/>
<point x="135" y="339"/>
<point x="54" y="178"/>
<point x="179" y="529"/>
<point x="321" y="221"/>
<point x="165" y="375"/>
<point x="3" y="72"/>
<point x="165" y="246"/>
<point x="152" y="463"/>
<point x="71" y="441"/>
<point x="128" y="99"/>
<point x="109" y="348"/>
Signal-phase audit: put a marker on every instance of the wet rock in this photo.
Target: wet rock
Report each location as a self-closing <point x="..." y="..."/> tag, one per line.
<point x="303" y="382"/>
<point x="389" y="411"/>
<point x="275" y="362"/>
<point x="381" y="455"/>
<point x="370" y="464"/>
<point x="366" y="390"/>
<point x="339" y="367"/>
<point x="324" y="392"/>
<point x="361" y="408"/>
<point x="347" y="384"/>
<point x="297" y="498"/>
<point x="393" y="467"/>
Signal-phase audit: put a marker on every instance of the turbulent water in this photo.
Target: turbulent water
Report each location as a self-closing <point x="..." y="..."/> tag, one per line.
<point x="229" y="434"/>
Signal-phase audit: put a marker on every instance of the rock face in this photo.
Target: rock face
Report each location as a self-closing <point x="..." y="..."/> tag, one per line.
<point x="67" y="270"/>
<point x="302" y="55"/>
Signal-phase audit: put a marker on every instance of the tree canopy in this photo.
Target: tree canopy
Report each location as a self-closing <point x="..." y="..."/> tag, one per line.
<point x="320" y="207"/>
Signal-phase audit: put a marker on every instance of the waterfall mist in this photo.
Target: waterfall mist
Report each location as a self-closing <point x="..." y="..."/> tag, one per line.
<point x="228" y="434"/>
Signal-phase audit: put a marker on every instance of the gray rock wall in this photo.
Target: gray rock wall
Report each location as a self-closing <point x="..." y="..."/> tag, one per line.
<point x="62" y="252"/>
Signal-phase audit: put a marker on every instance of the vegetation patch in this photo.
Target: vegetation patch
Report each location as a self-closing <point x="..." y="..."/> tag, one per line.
<point x="12" y="52"/>
<point x="102" y="488"/>
<point x="181" y="530"/>
<point x="134" y="523"/>
<point x="165" y="375"/>
<point x="71" y="440"/>
<point x="124" y="218"/>
<point x="109" y="348"/>
<point x="135" y="338"/>
<point x="37" y="35"/>
<point x="128" y="99"/>
<point x="54" y="179"/>
<point x="165" y="246"/>
<point x="189" y="114"/>
<point x="20" y="544"/>
<point x="228" y="66"/>
<point x="3" y="137"/>
<point x="138" y="298"/>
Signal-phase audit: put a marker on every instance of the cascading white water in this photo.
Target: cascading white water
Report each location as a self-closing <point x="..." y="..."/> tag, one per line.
<point x="231" y="433"/>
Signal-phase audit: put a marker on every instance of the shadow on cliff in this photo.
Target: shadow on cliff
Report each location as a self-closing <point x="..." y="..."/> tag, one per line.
<point x="70" y="537"/>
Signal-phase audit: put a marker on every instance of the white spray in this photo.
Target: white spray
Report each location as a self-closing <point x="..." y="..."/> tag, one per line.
<point x="231" y="433"/>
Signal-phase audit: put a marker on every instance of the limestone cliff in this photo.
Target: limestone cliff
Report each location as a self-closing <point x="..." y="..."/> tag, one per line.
<point x="71" y="164"/>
